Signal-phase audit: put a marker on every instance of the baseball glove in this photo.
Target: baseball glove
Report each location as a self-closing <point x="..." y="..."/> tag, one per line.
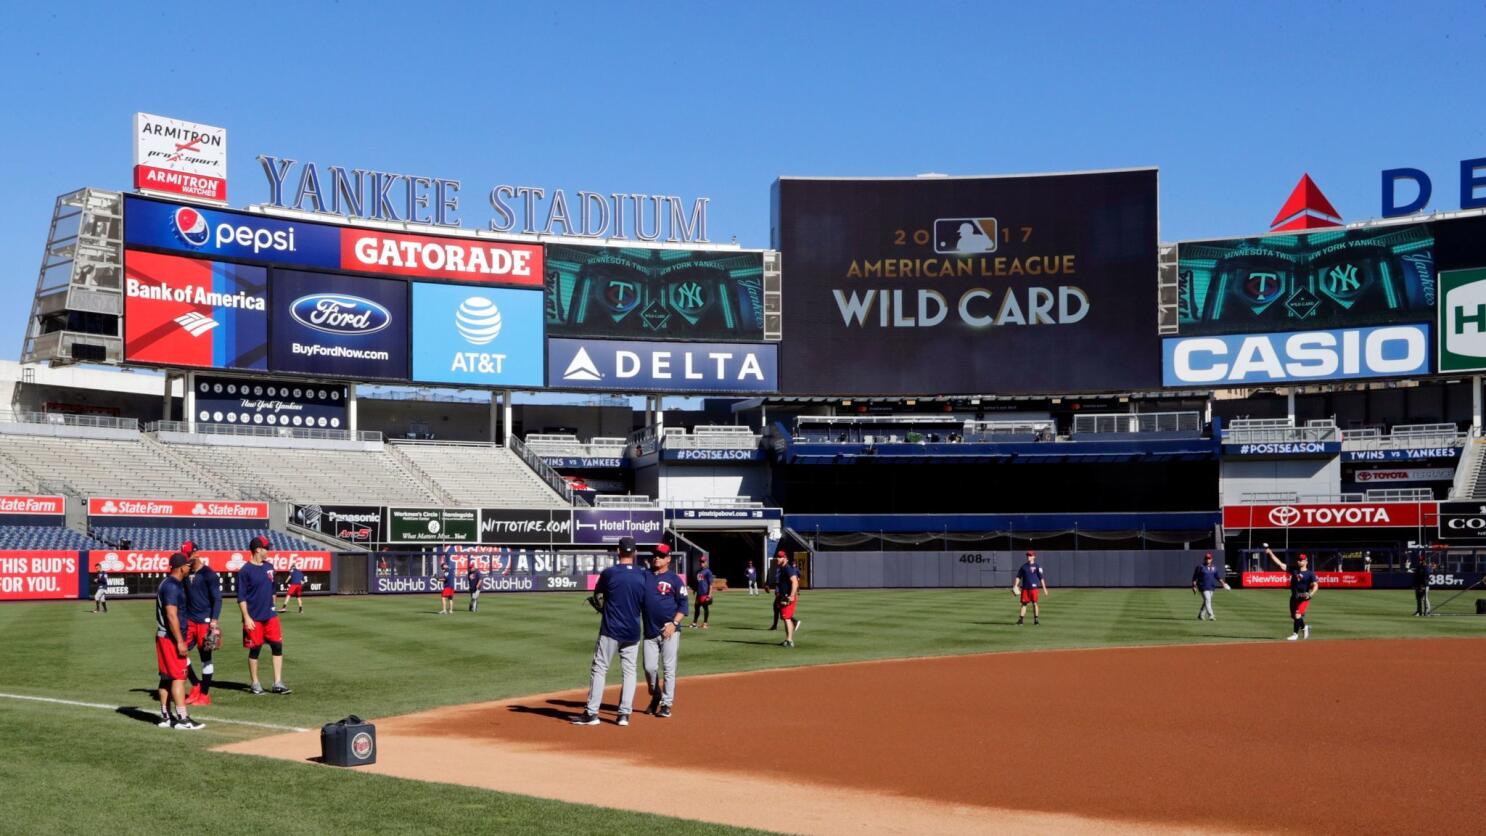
<point x="593" y="601"/>
<point x="213" y="640"/>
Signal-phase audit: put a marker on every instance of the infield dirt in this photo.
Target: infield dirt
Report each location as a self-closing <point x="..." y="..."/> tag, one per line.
<point x="1317" y="737"/>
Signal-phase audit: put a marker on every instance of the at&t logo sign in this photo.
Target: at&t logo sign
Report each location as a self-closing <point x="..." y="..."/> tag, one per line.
<point x="1284" y="516"/>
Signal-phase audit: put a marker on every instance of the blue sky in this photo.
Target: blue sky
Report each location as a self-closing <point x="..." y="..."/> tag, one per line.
<point x="1232" y="102"/>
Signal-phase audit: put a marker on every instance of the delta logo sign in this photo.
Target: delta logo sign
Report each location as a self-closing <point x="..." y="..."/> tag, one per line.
<point x="247" y="236"/>
<point x="191" y="312"/>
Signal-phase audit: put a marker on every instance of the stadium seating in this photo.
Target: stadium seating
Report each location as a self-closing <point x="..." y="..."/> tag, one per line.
<point x="480" y="475"/>
<point x="207" y="539"/>
<point x="557" y="444"/>
<point x="45" y="537"/>
<point x="96" y="467"/>
<point x="353" y="477"/>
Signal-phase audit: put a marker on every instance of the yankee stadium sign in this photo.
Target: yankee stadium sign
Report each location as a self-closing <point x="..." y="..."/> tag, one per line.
<point x="409" y="198"/>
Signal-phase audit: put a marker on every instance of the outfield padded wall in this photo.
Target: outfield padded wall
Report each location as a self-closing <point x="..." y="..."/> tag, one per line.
<point x="986" y="569"/>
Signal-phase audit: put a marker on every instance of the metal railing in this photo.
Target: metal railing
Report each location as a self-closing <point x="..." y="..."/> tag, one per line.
<point x="551" y="444"/>
<point x="553" y="479"/>
<point x="1261" y="430"/>
<point x="315" y="433"/>
<point x="70" y="420"/>
<point x="713" y="438"/>
<point x="1405" y="437"/>
<point x="1138" y="422"/>
<point x="624" y="501"/>
<point x="1400" y="495"/>
<point x="1284" y="498"/>
<point x="714" y="502"/>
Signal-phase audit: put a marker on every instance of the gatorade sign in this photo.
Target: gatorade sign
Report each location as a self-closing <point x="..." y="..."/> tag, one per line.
<point x="1462" y="320"/>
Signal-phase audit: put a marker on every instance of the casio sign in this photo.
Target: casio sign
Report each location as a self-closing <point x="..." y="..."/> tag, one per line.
<point x="1390" y="350"/>
<point x="334" y="313"/>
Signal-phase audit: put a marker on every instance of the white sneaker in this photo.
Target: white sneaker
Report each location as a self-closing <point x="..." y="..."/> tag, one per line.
<point x="1292" y="637"/>
<point x="1307" y="633"/>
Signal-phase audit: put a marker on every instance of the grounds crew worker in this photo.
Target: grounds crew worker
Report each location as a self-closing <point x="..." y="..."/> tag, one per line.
<point x="618" y="597"/>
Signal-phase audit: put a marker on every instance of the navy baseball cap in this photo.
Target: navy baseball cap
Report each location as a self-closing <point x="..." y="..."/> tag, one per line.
<point x="178" y="560"/>
<point x="627" y="545"/>
<point x="259" y="542"/>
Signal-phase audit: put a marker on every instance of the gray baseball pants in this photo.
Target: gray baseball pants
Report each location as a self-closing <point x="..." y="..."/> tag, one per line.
<point x="1207" y="604"/>
<point x="603" y="653"/>
<point x="662" y="652"/>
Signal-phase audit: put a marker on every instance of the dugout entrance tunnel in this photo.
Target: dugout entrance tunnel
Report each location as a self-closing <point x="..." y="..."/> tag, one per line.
<point x="731" y="537"/>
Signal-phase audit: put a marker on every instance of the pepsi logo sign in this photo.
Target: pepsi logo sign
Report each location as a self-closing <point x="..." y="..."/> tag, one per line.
<point x="191" y="226"/>
<point x="478" y="320"/>
<point x="335" y="313"/>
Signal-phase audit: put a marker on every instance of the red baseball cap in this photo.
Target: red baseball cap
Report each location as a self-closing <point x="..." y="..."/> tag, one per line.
<point x="780" y="553"/>
<point x="1208" y="556"/>
<point x="1031" y="553"/>
<point x="259" y="542"/>
<point x="662" y="549"/>
<point x="187" y="548"/>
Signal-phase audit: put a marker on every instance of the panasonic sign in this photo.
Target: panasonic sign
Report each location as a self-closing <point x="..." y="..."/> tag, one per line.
<point x="1245" y="359"/>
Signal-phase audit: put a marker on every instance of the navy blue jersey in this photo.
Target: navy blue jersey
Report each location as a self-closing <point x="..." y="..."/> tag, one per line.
<point x="203" y="596"/>
<point x="623" y="588"/>
<point x="474" y="579"/>
<point x="296" y="576"/>
<point x="704" y="581"/>
<point x="1301" y="580"/>
<point x="665" y="596"/>
<point x="752" y="573"/>
<point x="1029" y="575"/>
<point x="449" y="576"/>
<point x="255" y="588"/>
<point x="1208" y="577"/>
<point x="785" y="573"/>
<point x="170" y="593"/>
<point x="1421" y="575"/>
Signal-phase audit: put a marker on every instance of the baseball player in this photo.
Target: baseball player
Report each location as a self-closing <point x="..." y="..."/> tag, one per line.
<point x="786" y="596"/>
<point x="203" y="622"/>
<point x="772" y="585"/>
<point x="1421" y="585"/>
<point x="1030" y="586"/>
<point x="295" y="589"/>
<point x="170" y="647"/>
<point x="1206" y="578"/>
<point x="1303" y="586"/>
<point x="474" y="577"/>
<point x="664" y="610"/>
<point x="446" y="597"/>
<point x="704" y="595"/>
<point x="619" y="597"/>
<point x="260" y="621"/>
<point x="752" y="575"/>
<point x="100" y="591"/>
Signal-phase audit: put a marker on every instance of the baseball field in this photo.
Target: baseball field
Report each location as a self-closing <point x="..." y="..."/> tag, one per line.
<point x="898" y="711"/>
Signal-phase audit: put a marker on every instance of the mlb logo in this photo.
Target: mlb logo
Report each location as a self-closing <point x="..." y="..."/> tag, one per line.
<point x="964" y="236"/>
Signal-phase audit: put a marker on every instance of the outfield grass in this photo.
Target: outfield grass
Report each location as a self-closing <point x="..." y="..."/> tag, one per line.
<point x="74" y="768"/>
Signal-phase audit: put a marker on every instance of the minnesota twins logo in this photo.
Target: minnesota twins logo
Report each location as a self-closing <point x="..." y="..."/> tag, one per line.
<point x="664" y="587"/>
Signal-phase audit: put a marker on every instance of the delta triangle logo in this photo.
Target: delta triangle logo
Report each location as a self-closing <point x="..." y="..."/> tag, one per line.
<point x="582" y="368"/>
<point x="1305" y="208"/>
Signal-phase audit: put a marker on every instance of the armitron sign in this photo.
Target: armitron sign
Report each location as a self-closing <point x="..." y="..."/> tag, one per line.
<point x="1338" y="515"/>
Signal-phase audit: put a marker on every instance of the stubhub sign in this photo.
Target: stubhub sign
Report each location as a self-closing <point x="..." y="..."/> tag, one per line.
<point x="1245" y="359"/>
<point x="643" y="366"/>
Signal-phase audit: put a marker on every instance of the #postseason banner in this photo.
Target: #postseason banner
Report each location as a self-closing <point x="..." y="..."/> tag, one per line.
<point x="965" y="285"/>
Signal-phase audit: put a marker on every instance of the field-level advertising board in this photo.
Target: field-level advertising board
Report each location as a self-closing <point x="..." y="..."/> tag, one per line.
<point x="426" y="526"/>
<point x="1462" y="320"/>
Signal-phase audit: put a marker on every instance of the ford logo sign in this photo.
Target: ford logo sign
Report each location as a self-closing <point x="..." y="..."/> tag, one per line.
<point x="337" y="313"/>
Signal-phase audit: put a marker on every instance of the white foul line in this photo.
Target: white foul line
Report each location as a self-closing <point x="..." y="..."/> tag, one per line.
<point x="118" y="707"/>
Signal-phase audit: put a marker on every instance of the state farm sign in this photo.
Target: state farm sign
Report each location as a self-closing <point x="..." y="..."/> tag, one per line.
<point x="149" y="561"/>
<point x="1338" y="515"/>
<point x="200" y="509"/>
<point x="40" y="505"/>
